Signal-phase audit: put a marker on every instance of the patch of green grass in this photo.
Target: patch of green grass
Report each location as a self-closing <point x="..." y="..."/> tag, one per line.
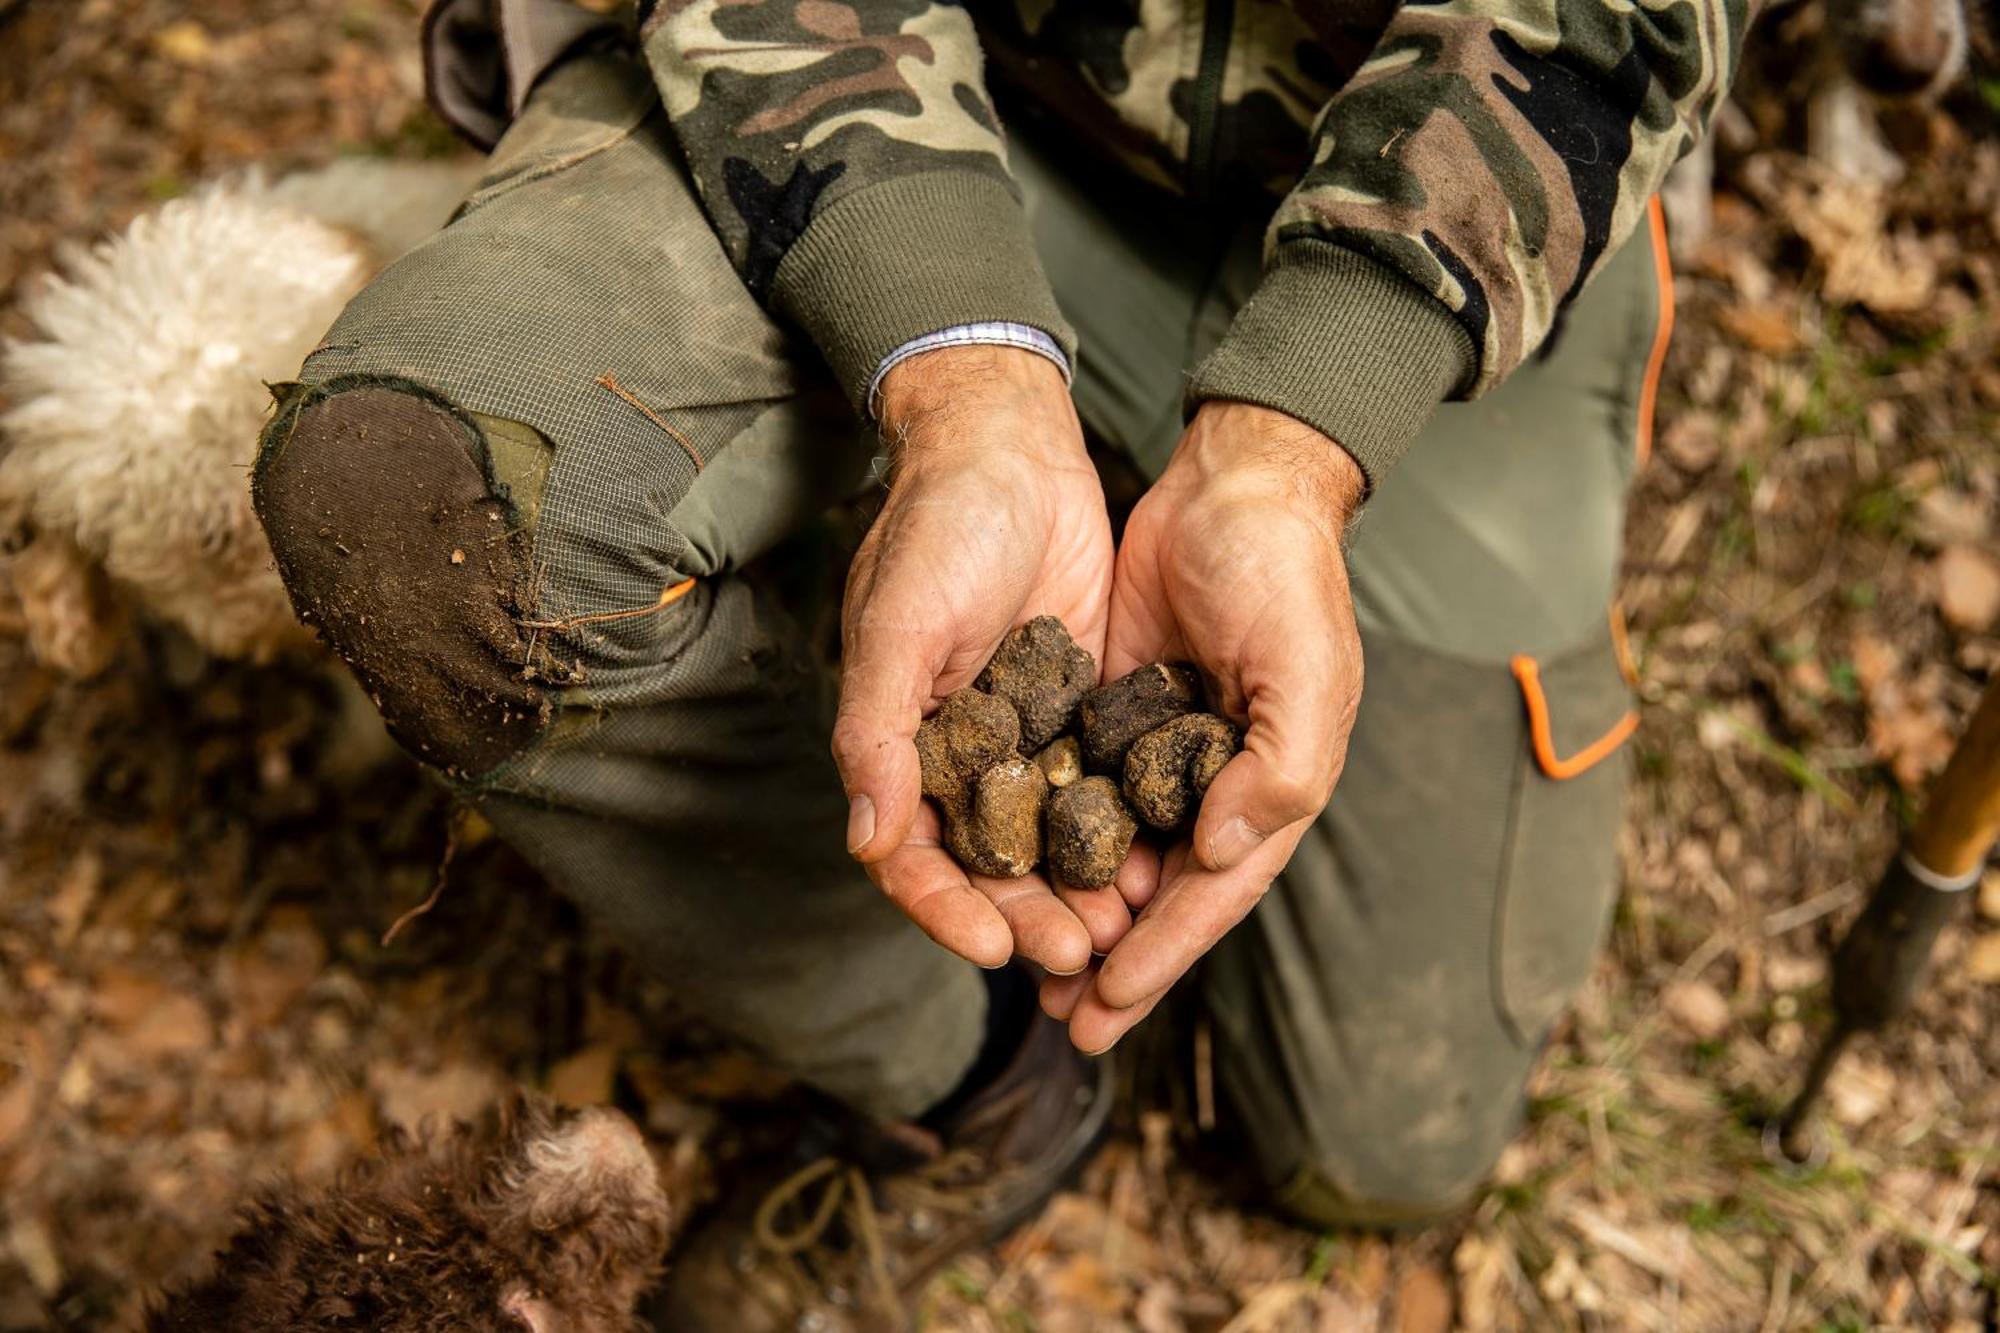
<point x="1880" y="511"/>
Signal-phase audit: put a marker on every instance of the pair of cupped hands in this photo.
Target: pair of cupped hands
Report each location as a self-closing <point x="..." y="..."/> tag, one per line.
<point x="1232" y="561"/>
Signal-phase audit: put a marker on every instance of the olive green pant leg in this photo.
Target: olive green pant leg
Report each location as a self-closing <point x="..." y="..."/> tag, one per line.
<point x="1377" y="1016"/>
<point x="576" y="348"/>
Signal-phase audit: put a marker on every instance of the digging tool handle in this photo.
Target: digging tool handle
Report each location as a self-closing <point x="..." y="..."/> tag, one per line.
<point x="1878" y="967"/>
<point x="1962" y="817"/>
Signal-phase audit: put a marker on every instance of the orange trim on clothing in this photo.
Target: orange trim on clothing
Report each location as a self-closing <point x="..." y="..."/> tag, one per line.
<point x="1529" y="673"/>
<point x="1621" y="645"/>
<point x="1663" y="270"/>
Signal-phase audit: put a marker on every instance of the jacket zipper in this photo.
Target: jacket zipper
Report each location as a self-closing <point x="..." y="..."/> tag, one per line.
<point x="1218" y="18"/>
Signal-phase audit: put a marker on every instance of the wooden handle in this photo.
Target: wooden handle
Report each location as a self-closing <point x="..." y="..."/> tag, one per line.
<point x="1962" y="818"/>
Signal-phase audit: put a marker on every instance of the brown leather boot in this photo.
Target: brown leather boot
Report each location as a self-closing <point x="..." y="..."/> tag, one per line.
<point x="822" y="1242"/>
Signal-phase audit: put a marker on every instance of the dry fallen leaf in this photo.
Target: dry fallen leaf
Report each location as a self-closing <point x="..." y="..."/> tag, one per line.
<point x="1698" y="1007"/>
<point x="585" y="1078"/>
<point x="1423" y="1302"/>
<point x="151" y="1018"/>
<point x="1982" y="960"/>
<point x="1761" y="328"/>
<point x="1968" y="588"/>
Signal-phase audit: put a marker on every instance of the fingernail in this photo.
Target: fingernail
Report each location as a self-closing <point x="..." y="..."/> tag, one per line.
<point x="860" y="823"/>
<point x="1232" y="842"/>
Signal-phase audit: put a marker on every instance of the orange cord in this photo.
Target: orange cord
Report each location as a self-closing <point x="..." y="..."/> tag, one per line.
<point x="1663" y="270"/>
<point x="1529" y="673"/>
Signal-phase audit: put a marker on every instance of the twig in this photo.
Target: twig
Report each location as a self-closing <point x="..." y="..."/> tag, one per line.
<point x="668" y="596"/>
<point x="609" y="381"/>
<point x="437" y="890"/>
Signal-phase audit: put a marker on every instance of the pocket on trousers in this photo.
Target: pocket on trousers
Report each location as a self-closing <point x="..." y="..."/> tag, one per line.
<point x="1558" y="874"/>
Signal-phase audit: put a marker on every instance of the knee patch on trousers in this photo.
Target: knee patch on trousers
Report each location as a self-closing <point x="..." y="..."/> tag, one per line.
<point x="394" y="547"/>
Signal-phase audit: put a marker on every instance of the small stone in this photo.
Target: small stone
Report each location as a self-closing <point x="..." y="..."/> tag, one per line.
<point x="1061" y="761"/>
<point x="1115" y="715"/>
<point x="1001" y="835"/>
<point x="457" y="556"/>
<point x="1168" y="768"/>
<point x="1040" y="670"/>
<point x="1090" y="830"/>
<point x="970" y="732"/>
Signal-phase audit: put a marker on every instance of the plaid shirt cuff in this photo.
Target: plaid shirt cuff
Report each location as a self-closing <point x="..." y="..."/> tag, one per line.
<point x="992" y="334"/>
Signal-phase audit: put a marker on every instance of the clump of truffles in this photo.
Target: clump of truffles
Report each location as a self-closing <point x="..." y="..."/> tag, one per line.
<point x="1090" y="830"/>
<point x="1001" y="834"/>
<point x="1061" y="761"/>
<point x="1040" y="670"/>
<point x="969" y="733"/>
<point x="1118" y="714"/>
<point x="1168" y="768"/>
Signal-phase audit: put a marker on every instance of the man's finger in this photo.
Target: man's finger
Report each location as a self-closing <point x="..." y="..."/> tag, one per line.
<point x="1102" y="911"/>
<point x="1044" y="930"/>
<point x="933" y="892"/>
<point x="1194" y="909"/>
<point x="1095" y="1027"/>
<point x="1059" y="995"/>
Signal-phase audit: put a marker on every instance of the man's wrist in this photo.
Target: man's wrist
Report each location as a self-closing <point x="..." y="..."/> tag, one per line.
<point x="945" y="383"/>
<point x="1239" y="439"/>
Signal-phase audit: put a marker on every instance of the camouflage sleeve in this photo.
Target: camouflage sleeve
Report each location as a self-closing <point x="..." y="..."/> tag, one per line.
<point x="1464" y="186"/>
<point x="851" y="162"/>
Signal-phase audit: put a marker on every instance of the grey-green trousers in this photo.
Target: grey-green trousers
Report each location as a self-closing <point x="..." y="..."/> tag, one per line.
<point x="516" y="448"/>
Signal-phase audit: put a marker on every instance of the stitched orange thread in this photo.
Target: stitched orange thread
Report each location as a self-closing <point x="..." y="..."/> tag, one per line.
<point x="668" y="597"/>
<point x="610" y="381"/>
<point x="1663" y="270"/>
<point x="1529" y="673"/>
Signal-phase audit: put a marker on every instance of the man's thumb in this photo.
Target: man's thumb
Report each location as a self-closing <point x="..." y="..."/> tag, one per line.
<point x="882" y="696"/>
<point x="1251" y="798"/>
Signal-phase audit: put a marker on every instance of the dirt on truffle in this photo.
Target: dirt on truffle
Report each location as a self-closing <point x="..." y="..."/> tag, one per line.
<point x="969" y="733"/>
<point x="1001" y="835"/>
<point x="1090" y="830"/>
<point x="1040" y="670"/>
<point x="1168" y="768"/>
<point x="1114" y="716"/>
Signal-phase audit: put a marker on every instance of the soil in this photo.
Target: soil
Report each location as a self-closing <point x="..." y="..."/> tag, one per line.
<point x="197" y="867"/>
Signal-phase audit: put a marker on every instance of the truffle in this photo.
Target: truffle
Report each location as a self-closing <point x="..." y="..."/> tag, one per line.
<point x="1115" y="715"/>
<point x="969" y="733"/>
<point x="1090" y="830"/>
<point x="1040" y="670"/>
<point x="1061" y="761"/>
<point x="1168" y="768"/>
<point x="1001" y="833"/>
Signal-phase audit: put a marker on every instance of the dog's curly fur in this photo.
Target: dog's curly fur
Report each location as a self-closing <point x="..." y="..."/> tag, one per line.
<point x="135" y="406"/>
<point x="542" y="1222"/>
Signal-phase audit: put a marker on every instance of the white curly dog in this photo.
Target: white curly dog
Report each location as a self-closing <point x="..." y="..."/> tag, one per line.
<point x="134" y="407"/>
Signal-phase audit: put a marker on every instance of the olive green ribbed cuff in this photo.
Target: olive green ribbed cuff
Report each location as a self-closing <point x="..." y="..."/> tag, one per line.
<point x="1345" y="345"/>
<point x="909" y="257"/>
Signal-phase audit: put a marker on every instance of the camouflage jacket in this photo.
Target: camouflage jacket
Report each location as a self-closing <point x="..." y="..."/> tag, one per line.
<point x="1446" y="174"/>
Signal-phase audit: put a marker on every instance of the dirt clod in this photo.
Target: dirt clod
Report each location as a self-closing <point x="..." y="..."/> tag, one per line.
<point x="1061" y="761"/>
<point x="1168" y="768"/>
<point x="1041" y="671"/>
<point x="1090" y="830"/>
<point x="1001" y="834"/>
<point x="1115" y="715"/>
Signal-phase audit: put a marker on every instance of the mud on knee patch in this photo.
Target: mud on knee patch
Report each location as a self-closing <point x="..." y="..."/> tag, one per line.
<point x="394" y="547"/>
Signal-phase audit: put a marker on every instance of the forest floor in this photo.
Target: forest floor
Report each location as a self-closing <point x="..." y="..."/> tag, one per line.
<point x="196" y="873"/>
